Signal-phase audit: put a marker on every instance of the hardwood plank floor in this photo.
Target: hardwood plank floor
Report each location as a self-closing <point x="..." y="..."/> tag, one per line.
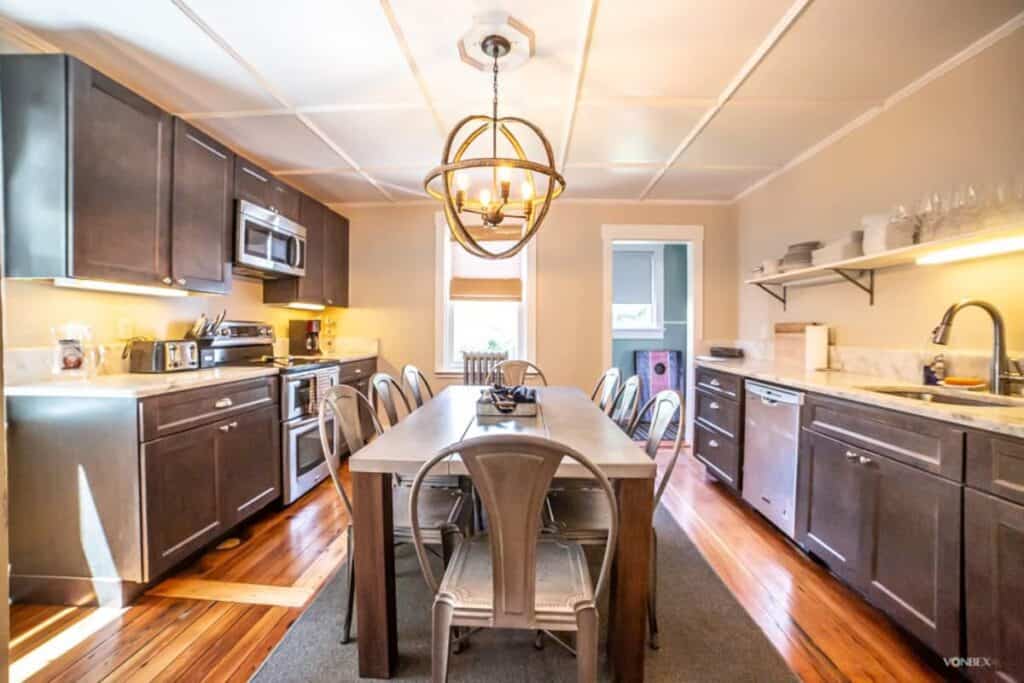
<point x="177" y="632"/>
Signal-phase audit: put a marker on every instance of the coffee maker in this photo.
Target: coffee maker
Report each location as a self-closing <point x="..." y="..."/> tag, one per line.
<point x="304" y="338"/>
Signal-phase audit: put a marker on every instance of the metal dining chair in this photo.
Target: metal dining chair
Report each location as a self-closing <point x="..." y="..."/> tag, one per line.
<point x="383" y="392"/>
<point x="443" y="509"/>
<point x="511" y="576"/>
<point x="513" y="373"/>
<point x="606" y="388"/>
<point x="579" y="516"/>
<point x="418" y="385"/>
<point x="626" y="403"/>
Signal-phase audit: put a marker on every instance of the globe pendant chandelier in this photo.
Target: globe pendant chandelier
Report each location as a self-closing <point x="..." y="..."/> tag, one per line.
<point x="494" y="201"/>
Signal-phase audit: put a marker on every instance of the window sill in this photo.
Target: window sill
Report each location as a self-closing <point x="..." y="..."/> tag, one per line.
<point x="656" y="333"/>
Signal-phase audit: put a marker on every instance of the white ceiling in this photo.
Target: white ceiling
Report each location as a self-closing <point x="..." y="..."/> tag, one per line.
<point x="642" y="99"/>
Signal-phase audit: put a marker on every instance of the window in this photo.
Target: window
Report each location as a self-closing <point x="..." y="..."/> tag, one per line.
<point x="483" y="304"/>
<point x="638" y="287"/>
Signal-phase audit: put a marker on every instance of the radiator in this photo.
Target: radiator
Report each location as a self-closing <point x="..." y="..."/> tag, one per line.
<point x="476" y="365"/>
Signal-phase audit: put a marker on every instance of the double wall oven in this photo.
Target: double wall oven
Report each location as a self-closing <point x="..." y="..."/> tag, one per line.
<point x="304" y="463"/>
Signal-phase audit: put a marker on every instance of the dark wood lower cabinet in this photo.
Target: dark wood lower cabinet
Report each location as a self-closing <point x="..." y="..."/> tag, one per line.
<point x="890" y="530"/>
<point x="912" y="552"/>
<point x="994" y="586"/>
<point x="181" y="505"/>
<point x="199" y="483"/>
<point x="833" y="504"/>
<point x="249" y="464"/>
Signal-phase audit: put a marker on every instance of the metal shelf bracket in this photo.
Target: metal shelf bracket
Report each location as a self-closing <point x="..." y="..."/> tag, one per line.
<point x="854" y="278"/>
<point x="780" y="295"/>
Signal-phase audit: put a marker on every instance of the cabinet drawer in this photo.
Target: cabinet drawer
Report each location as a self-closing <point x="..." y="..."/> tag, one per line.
<point x="995" y="463"/>
<point x="927" y="444"/>
<point x="721" y="414"/>
<point x="357" y="370"/>
<point x="721" y="455"/>
<point x="171" y="413"/>
<point x="721" y="383"/>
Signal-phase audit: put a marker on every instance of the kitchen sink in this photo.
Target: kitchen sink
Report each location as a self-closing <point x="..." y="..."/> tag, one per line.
<point x="947" y="396"/>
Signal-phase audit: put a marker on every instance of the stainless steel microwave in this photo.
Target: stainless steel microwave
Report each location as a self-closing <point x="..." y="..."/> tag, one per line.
<point x="268" y="244"/>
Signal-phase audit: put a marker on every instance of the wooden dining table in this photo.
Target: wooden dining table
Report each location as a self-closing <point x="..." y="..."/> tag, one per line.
<point x="566" y="415"/>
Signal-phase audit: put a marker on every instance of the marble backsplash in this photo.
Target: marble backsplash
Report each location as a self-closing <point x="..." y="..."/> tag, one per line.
<point x="902" y="364"/>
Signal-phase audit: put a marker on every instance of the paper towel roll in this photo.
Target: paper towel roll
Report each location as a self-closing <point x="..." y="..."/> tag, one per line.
<point x="816" y="351"/>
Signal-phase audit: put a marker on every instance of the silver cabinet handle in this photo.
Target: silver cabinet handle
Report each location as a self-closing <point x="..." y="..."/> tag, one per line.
<point x="167" y="281"/>
<point x="330" y="301"/>
<point x="713" y="405"/>
<point x="228" y="427"/>
<point x="359" y="371"/>
<point x="864" y="460"/>
<point x="713" y="443"/>
<point x="223" y="403"/>
<point x="181" y="281"/>
<point x="850" y="455"/>
<point x="714" y="382"/>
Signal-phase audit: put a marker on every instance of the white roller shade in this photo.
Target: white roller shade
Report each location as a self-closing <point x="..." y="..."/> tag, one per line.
<point x="632" y="275"/>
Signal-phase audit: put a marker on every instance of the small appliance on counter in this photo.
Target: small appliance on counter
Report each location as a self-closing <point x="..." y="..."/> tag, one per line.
<point x="174" y="355"/>
<point x="304" y="337"/>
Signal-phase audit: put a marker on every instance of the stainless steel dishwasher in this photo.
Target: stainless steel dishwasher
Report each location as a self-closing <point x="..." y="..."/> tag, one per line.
<point x="770" y="452"/>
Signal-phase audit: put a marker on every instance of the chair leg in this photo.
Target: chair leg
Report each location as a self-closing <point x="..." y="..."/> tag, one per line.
<point x="586" y="644"/>
<point x="442" y="630"/>
<point x="652" y="594"/>
<point x="350" y="577"/>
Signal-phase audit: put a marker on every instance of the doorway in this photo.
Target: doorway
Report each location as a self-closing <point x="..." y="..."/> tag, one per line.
<point x="652" y="305"/>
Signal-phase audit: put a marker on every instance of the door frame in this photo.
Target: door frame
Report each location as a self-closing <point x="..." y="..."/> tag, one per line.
<point x="693" y="237"/>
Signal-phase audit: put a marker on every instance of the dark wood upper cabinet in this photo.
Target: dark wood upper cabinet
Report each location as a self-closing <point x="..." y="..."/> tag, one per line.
<point x="87" y="173"/>
<point x="256" y="185"/>
<point x="994" y="584"/>
<point x="326" y="279"/>
<point x="202" y="211"/>
<point x="335" y="259"/>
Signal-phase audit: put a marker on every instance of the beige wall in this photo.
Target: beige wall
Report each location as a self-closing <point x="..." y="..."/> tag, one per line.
<point x="33" y="307"/>
<point x="965" y="127"/>
<point x="393" y="281"/>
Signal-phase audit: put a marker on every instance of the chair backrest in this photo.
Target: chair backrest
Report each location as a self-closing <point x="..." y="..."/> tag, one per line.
<point x="418" y="385"/>
<point x="341" y="405"/>
<point x="512" y="473"/>
<point x="606" y="388"/>
<point x="476" y="365"/>
<point x="513" y="373"/>
<point x="666" y="409"/>
<point x="626" y="403"/>
<point x="383" y="391"/>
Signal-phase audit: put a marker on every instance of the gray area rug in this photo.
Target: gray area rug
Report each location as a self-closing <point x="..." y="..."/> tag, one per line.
<point x="705" y="634"/>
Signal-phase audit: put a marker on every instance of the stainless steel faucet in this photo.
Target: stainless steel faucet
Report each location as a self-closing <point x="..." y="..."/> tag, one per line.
<point x="1000" y="377"/>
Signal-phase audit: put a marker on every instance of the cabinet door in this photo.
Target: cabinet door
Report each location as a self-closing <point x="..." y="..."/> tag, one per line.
<point x="201" y="211"/>
<point x="120" y="180"/>
<point x="252" y="183"/>
<point x="335" y="259"/>
<point x="181" y="504"/>
<point x="994" y="584"/>
<point x="249" y="463"/>
<point x="912" y="556"/>
<point x="833" y="501"/>
<point x="311" y="286"/>
<point x="285" y="199"/>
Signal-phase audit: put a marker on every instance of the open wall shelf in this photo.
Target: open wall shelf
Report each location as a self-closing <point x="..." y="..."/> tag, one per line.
<point x="860" y="271"/>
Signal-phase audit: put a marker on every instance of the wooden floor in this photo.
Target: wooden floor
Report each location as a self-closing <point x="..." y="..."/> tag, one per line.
<point x="219" y="618"/>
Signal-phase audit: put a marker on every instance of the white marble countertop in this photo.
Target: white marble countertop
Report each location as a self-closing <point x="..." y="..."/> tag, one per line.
<point x="139" y="385"/>
<point x="1002" y="419"/>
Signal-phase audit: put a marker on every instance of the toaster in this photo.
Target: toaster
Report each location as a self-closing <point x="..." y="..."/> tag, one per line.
<point x="163" y="356"/>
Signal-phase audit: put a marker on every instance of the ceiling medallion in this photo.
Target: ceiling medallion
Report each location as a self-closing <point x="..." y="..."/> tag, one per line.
<point x="497" y="37"/>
